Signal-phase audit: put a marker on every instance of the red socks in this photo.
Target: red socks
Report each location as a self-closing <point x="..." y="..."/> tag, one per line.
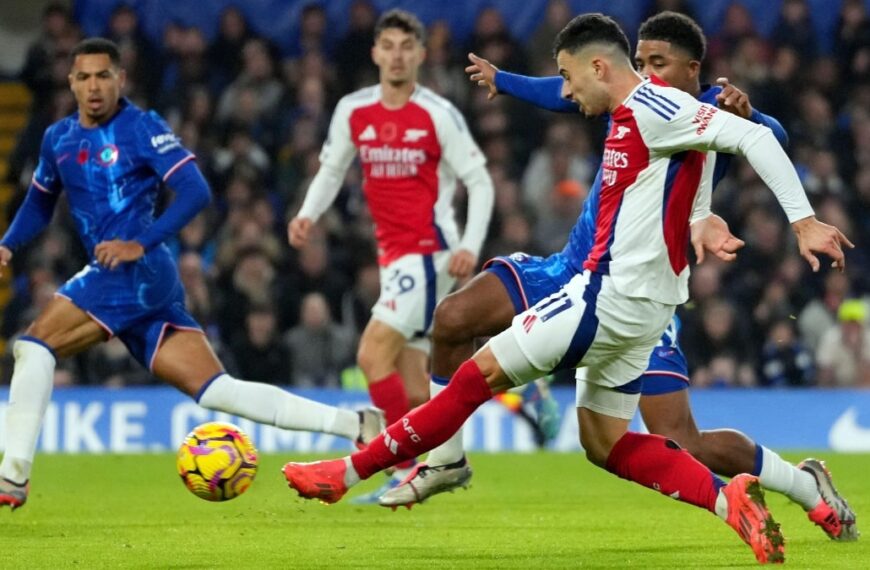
<point x="429" y="425"/>
<point x="389" y="394"/>
<point x="659" y="463"/>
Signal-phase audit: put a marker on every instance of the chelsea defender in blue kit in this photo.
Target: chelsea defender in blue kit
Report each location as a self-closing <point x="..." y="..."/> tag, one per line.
<point x="110" y="158"/>
<point x="671" y="46"/>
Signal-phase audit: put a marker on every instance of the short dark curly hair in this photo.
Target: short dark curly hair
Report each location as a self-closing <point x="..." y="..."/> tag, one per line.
<point x="589" y="29"/>
<point x="677" y="29"/>
<point x="403" y="20"/>
<point x="91" y="46"/>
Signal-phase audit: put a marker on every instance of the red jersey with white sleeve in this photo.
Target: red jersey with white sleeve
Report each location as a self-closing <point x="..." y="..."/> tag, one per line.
<point x="411" y="158"/>
<point x="654" y="163"/>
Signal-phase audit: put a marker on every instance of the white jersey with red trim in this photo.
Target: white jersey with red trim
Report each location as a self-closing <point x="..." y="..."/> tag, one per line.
<point x="650" y="179"/>
<point x="411" y="158"/>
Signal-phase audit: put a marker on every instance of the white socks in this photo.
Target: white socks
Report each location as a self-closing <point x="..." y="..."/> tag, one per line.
<point x="29" y="394"/>
<point x="273" y="406"/>
<point x="451" y="450"/>
<point x="351" y="477"/>
<point x="781" y="476"/>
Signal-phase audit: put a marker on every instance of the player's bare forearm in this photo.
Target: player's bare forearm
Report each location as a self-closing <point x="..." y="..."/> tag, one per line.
<point x="113" y="253"/>
<point x="816" y="237"/>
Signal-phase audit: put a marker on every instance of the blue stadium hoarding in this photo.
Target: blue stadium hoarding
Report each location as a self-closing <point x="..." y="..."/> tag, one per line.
<point x="137" y="420"/>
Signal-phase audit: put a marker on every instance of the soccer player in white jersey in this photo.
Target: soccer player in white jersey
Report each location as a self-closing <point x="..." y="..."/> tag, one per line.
<point x="672" y="47"/>
<point x="611" y="316"/>
<point x="413" y="146"/>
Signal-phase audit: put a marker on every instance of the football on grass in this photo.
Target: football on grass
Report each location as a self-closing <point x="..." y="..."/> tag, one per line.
<point x="217" y="461"/>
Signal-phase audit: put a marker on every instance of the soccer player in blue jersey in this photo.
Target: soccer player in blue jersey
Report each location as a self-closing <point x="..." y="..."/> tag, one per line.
<point x="672" y="47"/>
<point x="111" y="158"/>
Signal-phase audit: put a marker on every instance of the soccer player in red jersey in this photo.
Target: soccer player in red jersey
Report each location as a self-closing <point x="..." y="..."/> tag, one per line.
<point x="413" y="146"/>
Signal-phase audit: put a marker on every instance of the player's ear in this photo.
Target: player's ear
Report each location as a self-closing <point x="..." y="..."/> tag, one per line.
<point x="694" y="68"/>
<point x="122" y="78"/>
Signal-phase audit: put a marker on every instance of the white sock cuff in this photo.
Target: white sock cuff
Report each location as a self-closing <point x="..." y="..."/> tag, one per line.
<point x="27" y="345"/>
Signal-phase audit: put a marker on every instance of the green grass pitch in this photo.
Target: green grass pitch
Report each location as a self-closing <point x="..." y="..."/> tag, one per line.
<point x="522" y="511"/>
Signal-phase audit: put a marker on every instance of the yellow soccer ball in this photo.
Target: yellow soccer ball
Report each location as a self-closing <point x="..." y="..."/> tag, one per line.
<point x="217" y="461"/>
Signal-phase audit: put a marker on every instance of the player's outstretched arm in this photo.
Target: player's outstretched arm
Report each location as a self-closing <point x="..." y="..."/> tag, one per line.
<point x="737" y="102"/>
<point x="544" y="92"/>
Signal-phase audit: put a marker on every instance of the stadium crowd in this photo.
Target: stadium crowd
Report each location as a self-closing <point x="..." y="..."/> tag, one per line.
<point x="256" y="118"/>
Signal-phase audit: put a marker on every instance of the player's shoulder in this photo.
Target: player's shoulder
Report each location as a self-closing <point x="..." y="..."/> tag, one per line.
<point x="360" y="98"/>
<point x="62" y="126"/>
<point x="438" y="107"/>
<point x="656" y="102"/>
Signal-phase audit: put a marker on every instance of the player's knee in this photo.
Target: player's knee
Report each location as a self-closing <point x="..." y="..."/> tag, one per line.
<point x="450" y="323"/>
<point x="687" y="438"/>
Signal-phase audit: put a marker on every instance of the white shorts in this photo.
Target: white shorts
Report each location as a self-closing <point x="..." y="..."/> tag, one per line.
<point x="586" y="323"/>
<point x="411" y="286"/>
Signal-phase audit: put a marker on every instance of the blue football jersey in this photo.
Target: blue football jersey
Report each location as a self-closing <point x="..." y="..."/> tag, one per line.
<point x="111" y="173"/>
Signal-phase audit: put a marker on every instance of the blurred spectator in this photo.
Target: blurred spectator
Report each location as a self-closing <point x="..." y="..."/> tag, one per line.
<point x="843" y="355"/>
<point x="563" y="208"/>
<point x="143" y="70"/>
<point x="110" y="364"/>
<point x="785" y="361"/>
<point x="540" y="45"/>
<point x="353" y="51"/>
<point x="720" y="352"/>
<point x="225" y="52"/>
<point x="560" y="159"/>
<point x="795" y="28"/>
<point x="819" y="315"/>
<point x="312" y="31"/>
<point x="260" y="356"/>
<point x="852" y="36"/>
<point x="320" y="349"/>
<point x="258" y="77"/>
<point x="199" y="297"/>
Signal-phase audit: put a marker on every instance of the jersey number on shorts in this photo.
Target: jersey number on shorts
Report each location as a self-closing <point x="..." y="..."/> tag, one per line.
<point x="553" y="306"/>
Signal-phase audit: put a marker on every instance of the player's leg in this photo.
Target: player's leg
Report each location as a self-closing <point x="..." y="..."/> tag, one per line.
<point x="186" y="361"/>
<point x="62" y="329"/>
<point x="481" y="308"/>
<point x="499" y="365"/>
<point x="730" y="452"/>
<point x="666" y="411"/>
<point x="659" y="463"/>
<point x="413" y="366"/>
<point x="379" y="348"/>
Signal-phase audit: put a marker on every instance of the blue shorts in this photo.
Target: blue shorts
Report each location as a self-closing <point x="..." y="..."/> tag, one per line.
<point x="137" y="302"/>
<point x="530" y="278"/>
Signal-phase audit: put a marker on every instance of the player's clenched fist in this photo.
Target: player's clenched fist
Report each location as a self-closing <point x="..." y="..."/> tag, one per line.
<point x="462" y="263"/>
<point x="113" y="253"/>
<point x="298" y="230"/>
